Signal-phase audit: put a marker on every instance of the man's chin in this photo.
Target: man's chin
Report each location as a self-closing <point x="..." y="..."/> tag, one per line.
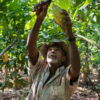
<point x="49" y="60"/>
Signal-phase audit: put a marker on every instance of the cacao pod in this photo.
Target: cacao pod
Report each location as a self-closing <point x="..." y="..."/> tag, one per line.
<point x="57" y="13"/>
<point x="5" y="57"/>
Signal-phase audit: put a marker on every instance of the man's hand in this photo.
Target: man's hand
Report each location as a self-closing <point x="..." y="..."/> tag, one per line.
<point x="67" y="25"/>
<point x="41" y="9"/>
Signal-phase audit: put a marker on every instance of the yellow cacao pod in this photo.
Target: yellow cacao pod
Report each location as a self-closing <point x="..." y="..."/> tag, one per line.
<point x="5" y="57"/>
<point x="57" y="13"/>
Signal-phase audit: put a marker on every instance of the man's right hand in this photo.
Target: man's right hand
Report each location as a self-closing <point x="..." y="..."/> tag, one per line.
<point x="41" y="9"/>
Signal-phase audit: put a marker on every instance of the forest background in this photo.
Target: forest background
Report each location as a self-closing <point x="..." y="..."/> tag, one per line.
<point x="16" y="21"/>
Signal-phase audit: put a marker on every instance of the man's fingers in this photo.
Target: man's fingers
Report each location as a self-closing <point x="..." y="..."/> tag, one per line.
<point x="64" y="12"/>
<point x="40" y="5"/>
<point x="38" y="11"/>
<point x="66" y="18"/>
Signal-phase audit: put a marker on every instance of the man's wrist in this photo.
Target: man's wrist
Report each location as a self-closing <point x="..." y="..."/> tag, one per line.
<point x="69" y="34"/>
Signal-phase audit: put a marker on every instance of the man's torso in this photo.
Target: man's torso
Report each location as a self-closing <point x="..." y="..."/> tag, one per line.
<point x="57" y="88"/>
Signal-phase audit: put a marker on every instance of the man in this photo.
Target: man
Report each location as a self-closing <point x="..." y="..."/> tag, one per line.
<point x="56" y="76"/>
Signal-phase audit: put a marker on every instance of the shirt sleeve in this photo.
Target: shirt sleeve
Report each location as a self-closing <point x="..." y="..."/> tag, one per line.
<point x="33" y="68"/>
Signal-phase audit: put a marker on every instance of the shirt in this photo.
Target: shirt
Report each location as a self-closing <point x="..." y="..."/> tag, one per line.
<point x="57" y="88"/>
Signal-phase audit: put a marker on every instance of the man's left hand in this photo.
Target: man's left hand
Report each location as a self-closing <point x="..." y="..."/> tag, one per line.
<point x="67" y="25"/>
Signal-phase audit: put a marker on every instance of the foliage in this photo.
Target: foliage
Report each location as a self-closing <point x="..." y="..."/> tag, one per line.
<point x="17" y="20"/>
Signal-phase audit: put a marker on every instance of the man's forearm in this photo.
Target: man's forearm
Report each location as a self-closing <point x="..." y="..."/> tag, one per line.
<point x="74" y="56"/>
<point x="33" y="36"/>
<point x="74" y="59"/>
<point x="31" y="42"/>
<point x="41" y="11"/>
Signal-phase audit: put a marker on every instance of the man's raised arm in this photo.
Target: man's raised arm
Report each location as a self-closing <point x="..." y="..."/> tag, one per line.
<point x="41" y="11"/>
<point x="73" y="52"/>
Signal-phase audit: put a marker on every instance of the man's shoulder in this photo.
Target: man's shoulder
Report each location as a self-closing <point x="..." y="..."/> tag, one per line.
<point x="40" y="62"/>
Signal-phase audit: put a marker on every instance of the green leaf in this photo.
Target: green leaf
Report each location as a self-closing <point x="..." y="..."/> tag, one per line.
<point x="85" y="4"/>
<point x="20" y="57"/>
<point x="76" y="11"/>
<point x="65" y="4"/>
<point x="31" y="22"/>
<point x="98" y="18"/>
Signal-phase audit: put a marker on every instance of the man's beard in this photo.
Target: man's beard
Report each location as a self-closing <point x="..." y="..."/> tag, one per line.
<point x="52" y="60"/>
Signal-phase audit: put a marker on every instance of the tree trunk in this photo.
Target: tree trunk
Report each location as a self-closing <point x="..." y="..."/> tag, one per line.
<point x="86" y="69"/>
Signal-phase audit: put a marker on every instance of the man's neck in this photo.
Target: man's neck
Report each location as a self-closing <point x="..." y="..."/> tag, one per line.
<point x="53" y="67"/>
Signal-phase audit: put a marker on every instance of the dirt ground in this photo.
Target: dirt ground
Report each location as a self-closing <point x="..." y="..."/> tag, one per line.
<point x="84" y="92"/>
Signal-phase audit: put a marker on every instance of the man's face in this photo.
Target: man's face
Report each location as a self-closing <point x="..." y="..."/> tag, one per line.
<point x="55" y="55"/>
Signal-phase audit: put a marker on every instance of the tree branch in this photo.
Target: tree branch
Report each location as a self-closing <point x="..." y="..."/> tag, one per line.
<point x="7" y="48"/>
<point x="90" y="41"/>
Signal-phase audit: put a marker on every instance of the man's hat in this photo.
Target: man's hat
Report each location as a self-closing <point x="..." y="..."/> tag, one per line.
<point x="44" y="49"/>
